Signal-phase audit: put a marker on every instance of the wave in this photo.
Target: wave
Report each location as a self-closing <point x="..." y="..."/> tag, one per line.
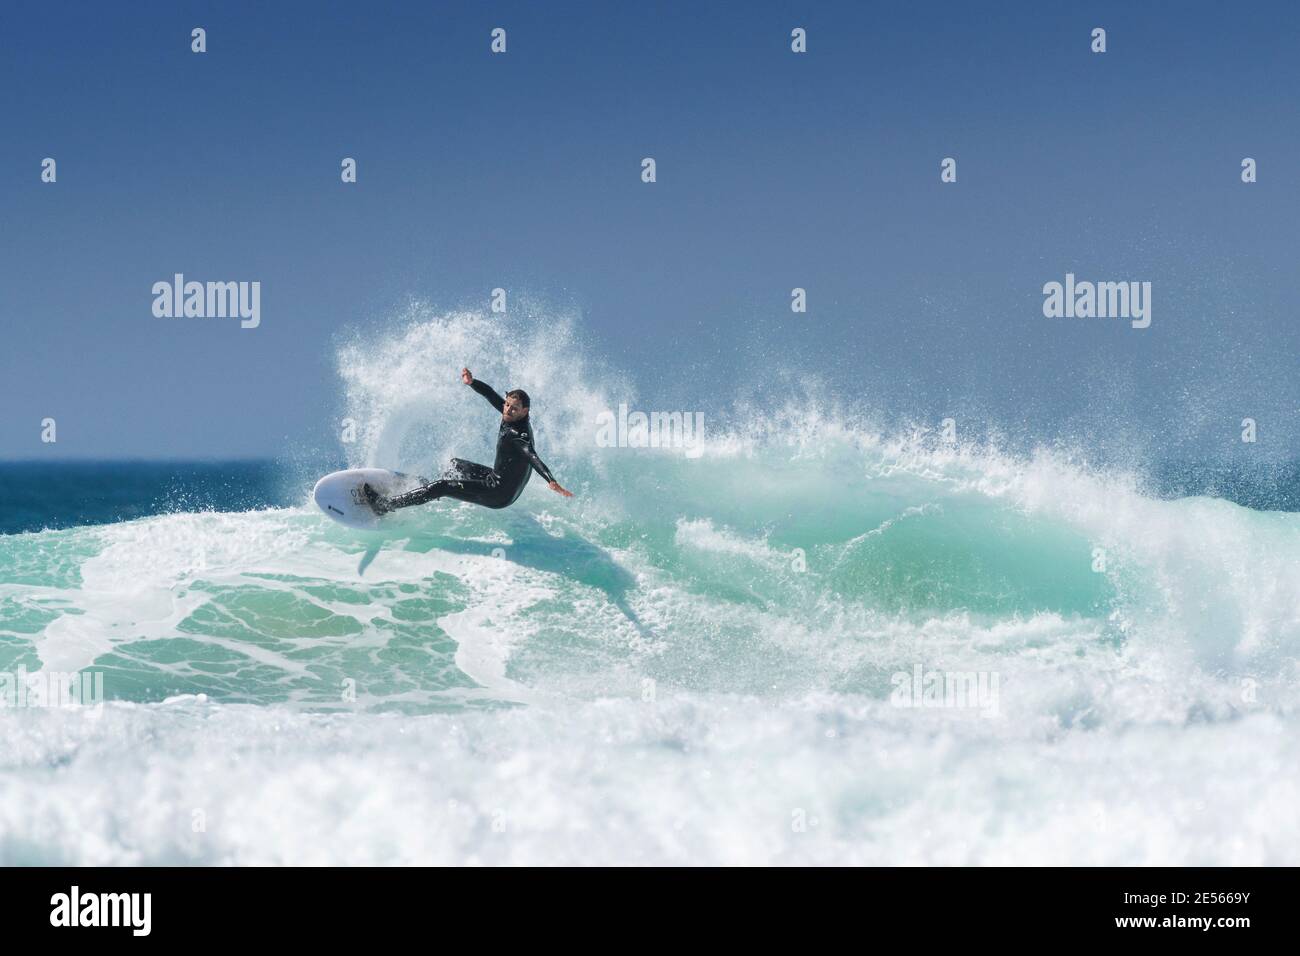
<point x="799" y="539"/>
<point x="753" y="602"/>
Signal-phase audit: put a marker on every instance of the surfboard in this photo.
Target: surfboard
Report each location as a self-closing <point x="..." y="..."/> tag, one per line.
<point x="339" y="494"/>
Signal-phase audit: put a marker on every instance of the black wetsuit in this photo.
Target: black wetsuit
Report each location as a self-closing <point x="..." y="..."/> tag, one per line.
<point x="495" y="487"/>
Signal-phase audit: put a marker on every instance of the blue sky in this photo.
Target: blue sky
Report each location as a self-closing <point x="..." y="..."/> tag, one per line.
<point x="775" y="170"/>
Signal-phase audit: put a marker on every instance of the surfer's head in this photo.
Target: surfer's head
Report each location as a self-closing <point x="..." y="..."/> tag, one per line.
<point x="516" y="406"/>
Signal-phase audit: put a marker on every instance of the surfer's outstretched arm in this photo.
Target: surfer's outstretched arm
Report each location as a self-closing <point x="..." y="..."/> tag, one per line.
<point x="484" y="389"/>
<point x="539" y="466"/>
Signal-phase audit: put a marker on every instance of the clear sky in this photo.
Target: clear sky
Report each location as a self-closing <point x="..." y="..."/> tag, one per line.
<point x="775" y="170"/>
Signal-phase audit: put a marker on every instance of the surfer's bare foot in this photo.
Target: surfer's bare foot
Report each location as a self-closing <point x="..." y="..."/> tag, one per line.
<point x="376" y="500"/>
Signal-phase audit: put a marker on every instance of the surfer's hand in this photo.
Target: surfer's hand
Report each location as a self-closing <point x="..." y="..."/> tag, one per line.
<point x="555" y="486"/>
<point x="465" y="377"/>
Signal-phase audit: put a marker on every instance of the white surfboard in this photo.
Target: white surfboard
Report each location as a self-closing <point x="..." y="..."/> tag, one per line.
<point x="339" y="493"/>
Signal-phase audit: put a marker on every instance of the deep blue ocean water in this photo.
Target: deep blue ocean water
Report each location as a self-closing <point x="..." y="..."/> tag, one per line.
<point x="48" y="495"/>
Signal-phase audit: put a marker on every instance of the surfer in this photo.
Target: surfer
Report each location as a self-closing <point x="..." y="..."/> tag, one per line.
<point x="495" y="487"/>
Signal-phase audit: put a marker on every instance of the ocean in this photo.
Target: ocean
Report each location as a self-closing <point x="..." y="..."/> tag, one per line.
<point x="809" y="641"/>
